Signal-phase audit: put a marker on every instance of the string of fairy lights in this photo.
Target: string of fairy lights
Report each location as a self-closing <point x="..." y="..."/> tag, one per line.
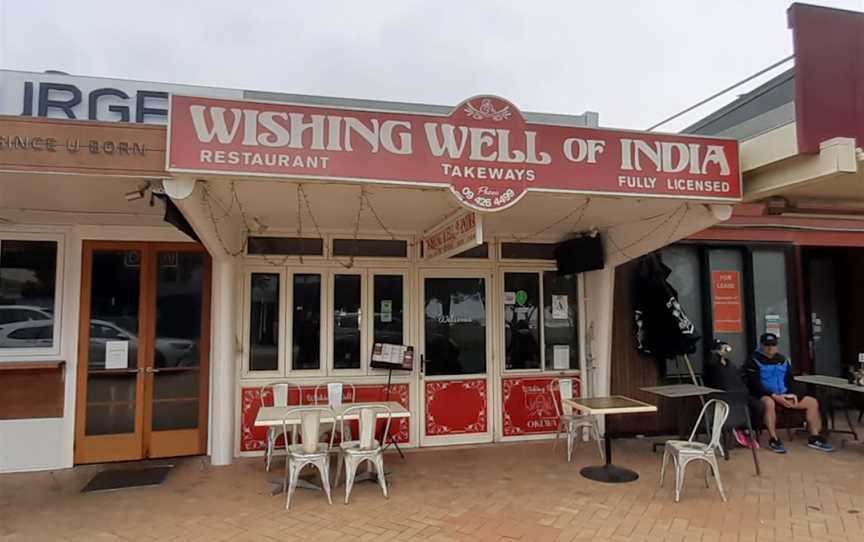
<point x="218" y="213"/>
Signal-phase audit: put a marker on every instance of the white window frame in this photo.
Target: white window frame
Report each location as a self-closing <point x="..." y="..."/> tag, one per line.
<point x="538" y="271"/>
<point x="16" y="354"/>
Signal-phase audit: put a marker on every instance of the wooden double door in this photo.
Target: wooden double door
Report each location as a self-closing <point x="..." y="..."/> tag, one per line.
<point x="143" y="353"/>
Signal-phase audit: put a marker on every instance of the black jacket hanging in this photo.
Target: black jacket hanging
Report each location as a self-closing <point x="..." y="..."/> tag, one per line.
<point x="662" y="328"/>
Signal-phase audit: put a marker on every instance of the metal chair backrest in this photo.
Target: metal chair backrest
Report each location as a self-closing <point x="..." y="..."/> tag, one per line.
<point x="281" y="393"/>
<point x="721" y="412"/>
<point x="368" y="414"/>
<point x="562" y="387"/>
<point x="333" y="394"/>
<point x="310" y="425"/>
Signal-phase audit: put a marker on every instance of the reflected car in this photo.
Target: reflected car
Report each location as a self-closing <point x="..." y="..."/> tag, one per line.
<point x="11" y="314"/>
<point x="27" y="334"/>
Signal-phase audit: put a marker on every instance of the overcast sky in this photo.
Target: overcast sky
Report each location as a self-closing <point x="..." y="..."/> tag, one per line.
<point x="634" y="62"/>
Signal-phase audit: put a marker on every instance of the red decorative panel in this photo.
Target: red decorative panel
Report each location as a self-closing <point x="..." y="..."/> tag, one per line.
<point x="528" y="405"/>
<point x="456" y="407"/>
<point x="254" y="438"/>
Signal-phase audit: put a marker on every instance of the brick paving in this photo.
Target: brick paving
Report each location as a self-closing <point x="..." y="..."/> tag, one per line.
<point x="496" y="492"/>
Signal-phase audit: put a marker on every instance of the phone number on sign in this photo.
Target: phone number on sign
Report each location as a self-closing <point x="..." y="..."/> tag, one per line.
<point x="488" y="201"/>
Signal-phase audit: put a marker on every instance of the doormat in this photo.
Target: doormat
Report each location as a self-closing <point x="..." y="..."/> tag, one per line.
<point x="109" y="480"/>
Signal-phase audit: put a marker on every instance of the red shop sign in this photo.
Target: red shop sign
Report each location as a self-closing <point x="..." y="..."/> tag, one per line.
<point x="726" y="286"/>
<point x="484" y="151"/>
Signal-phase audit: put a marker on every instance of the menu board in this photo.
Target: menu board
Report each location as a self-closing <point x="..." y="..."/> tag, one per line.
<point x="393" y="356"/>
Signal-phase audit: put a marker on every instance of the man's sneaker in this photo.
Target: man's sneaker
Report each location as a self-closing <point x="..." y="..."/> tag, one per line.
<point x="776" y="446"/>
<point x="741" y="438"/>
<point x="818" y="443"/>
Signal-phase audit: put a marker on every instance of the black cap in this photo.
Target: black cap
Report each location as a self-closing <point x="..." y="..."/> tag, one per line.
<point x="768" y="339"/>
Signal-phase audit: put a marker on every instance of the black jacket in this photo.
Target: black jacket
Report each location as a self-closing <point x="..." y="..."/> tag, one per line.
<point x="754" y="377"/>
<point x="662" y="328"/>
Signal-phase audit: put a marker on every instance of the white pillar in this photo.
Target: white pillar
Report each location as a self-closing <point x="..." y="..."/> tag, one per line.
<point x="599" y="300"/>
<point x="223" y="362"/>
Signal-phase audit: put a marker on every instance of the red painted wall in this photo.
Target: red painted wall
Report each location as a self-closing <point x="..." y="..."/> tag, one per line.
<point x="253" y="438"/>
<point x="829" y="74"/>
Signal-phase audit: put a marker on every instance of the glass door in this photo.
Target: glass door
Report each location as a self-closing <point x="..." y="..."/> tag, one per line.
<point x="454" y="361"/>
<point x="110" y="354"/>
<point x="143" y="351"/>
<point x="177" y="377"/>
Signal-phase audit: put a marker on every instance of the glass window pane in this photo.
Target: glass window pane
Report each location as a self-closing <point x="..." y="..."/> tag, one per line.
<point x="306" y="352"/>
<point x="179" y="297"/>
<point x="27" y="282"/>
<point x="388" y="302"/>
<point x="522" y="320"/>
<point x="377" y="248"/>
<point x="769" y="296"/>
<point x="455" y="326"/>
<point x="528" y="251"/>
<point x="561" y="321"/>
<point x="114" y="304"/>
<point x="346" y="321"/>
<point x="686" y="278"/>
<point x="727" y="301"/>
<point x="264" y="322"/>
<point x="285" y="246"/>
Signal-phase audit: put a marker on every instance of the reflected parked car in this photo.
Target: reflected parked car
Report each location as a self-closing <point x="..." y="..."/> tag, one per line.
<point x="27" y="334"/>
<point x="170" y="352"/>
<point x="11" y="314"/>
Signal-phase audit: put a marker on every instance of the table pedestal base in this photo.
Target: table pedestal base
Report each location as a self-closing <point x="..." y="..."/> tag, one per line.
<point x="609" y="474"/>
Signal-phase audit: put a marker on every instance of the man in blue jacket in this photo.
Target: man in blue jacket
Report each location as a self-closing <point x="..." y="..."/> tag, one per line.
<point x="769" y="379"/>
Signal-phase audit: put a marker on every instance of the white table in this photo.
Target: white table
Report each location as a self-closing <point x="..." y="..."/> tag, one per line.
<point x="836" y="383"/>
<point x="274" y="417"/>
<point x="675" y="391"/>
<point x="616" y="404"/>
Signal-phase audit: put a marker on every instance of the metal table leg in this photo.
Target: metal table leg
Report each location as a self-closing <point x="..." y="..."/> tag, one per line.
<point x="609" y="473"/>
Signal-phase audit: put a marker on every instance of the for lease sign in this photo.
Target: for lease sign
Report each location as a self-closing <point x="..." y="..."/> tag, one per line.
<point x="484" y="151"/>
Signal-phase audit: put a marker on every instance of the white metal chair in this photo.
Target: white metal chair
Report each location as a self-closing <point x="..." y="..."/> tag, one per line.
<point x="367" y="448"/>
<point x="309" y="451"/>
<point x="573" y="424"/>
<point x="323" y="394"/>
<point x="685" y="451"/>
<point x="333" y="394"/>
<point x="280" y="393"/>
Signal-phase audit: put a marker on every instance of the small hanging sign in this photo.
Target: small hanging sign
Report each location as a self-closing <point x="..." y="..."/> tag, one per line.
<point x="458" y="233"/>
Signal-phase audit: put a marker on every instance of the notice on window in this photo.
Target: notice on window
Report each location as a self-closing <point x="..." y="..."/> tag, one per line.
<point x="726" y="290"/>
<point x="509" y="298"/>
<point x="387" y="310"/>
<point x="772" y="324"/>
<point x="334" y="394"/>
<point x="559" y="307"/>
<point x="117" y="354"/>
<point x="561" y="356"/>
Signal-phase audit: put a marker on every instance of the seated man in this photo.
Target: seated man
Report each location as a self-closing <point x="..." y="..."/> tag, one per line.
<point x="769" y="378"/>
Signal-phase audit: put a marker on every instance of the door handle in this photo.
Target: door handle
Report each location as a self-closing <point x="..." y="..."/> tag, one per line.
<point x="151" y="370"/>
<point x="422" y="364"/>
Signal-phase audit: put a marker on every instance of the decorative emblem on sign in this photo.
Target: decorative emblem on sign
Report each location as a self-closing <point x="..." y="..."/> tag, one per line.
<point x="487" y="111"/>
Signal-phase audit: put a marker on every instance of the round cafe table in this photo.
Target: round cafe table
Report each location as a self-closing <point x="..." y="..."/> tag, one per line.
<point x="616" y="404"/>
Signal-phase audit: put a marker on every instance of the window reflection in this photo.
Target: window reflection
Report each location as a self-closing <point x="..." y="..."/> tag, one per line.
<point x="307" y="322"/>
<point x="27" y="287"/>
<point x="522" y="320"/>
<point x="346" y="321"/>
<point x="264" y="323"/>
<point x="455" y="326"/>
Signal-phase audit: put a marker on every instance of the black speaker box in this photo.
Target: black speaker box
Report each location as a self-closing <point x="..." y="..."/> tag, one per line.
<point x="580" y="254"/>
